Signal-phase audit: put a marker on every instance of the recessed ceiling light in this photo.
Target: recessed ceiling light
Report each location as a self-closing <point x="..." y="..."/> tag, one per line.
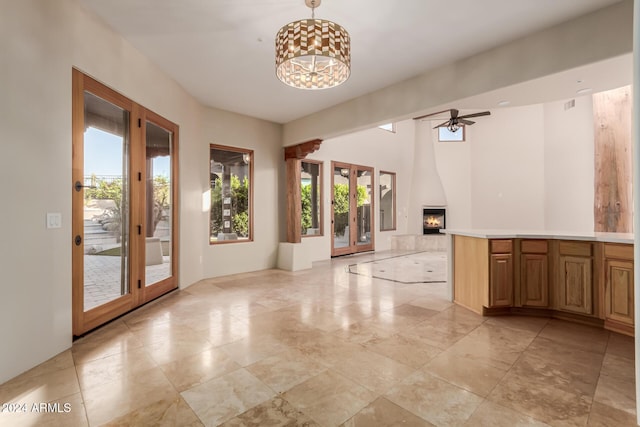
<point x="583" y="91"/>
<point x="503" y="103"/>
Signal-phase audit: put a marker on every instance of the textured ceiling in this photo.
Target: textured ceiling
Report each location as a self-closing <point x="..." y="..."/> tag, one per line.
<point x="222" y="51"/>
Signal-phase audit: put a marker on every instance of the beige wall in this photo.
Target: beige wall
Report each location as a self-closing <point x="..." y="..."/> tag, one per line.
<point x="40" y="42"/>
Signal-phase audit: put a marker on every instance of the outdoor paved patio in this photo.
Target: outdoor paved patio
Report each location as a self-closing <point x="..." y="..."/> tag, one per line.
<point x="102" y="278"/>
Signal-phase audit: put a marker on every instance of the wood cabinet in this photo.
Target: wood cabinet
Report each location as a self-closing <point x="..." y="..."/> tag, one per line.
<point x="579" y="280"/>
<point x="534" y="274"/>
<point x="576" y="285"/>
<point x="501" y="280"/>
<point x="501" y="274"/>
<point x="575" y="281"/>
<point x="618" y="291"/>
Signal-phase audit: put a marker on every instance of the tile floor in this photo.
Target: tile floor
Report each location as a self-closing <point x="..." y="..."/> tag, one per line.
<point x="328" y="347"/>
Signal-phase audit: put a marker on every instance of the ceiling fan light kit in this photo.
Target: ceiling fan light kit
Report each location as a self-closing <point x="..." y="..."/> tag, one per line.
<point x="455" y="121"/>
<point x="313" y="53"/>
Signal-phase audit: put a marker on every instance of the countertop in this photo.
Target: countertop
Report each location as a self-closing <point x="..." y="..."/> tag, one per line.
<point x="542" y="234"/>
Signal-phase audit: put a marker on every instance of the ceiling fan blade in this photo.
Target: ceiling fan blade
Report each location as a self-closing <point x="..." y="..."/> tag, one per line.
<point x="465" y="122"/>
<point x="443" y="124"/>
<point x="454" y="113"/>
<point x="431" y="114"/>
<point x="484" y="113"/>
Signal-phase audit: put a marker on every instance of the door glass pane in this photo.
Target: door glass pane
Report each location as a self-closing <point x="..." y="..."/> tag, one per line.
<point x="311" y="181"/>
<point x="340" y="207"/>
<point x="158" y="204"/>
<point x="106" y="234"/>
<point x="363" y="214"/>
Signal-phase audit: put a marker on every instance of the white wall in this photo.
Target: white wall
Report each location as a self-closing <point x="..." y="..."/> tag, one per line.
<point x="380" y="149"/>
<point x="264" y="138"/>
<point x="453" y="160"/>
<point x="507" y="169"/>
<point x="40" y="42"/>
<point x="569" y="165"/>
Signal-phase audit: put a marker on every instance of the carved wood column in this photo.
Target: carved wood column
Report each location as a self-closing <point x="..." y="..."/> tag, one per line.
<point x="613" y="209"/>
<point x="292" y="157"/>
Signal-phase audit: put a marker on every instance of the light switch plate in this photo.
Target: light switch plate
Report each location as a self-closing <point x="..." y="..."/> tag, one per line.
<point x="54" y="220"/>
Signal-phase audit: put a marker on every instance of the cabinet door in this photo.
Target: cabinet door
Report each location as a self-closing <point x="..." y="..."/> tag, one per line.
<point x="576" y="285"/>
<point x="619" y="291"/>
<point x="534" y="283"/>
<point x="501" y="280"/>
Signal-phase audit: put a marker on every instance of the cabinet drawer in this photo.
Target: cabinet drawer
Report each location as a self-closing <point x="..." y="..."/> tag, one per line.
<point x="501" y="246"/>
<point x="534" y="246"/>
<point x="618" y="251"/>
<point x="575" y="248"/>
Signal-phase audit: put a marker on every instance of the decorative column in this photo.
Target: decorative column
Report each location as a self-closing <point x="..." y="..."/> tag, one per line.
<point x="292" y="157"/>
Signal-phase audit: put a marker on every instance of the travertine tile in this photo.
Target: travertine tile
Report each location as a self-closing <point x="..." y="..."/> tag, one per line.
<point x="491" y="414"/>
<point x="329" y="398"/>
<point x="163" y="413"/>
<point x="602" y="415"/>
<point x="285" y="370"/>
<point x="384" y="413"/>
<point x="198" y="368"/>
<point x="616" y="385"/>
<point x="410" y="350"/>
<point x="115" y="367"/>
<point x="576" y="335"/>
<point x="342" y="348"/>
<point x="65" y="412"/>
<point x="621" y="345"/>
<point x="472" y="375"/>
<point x="49" y="386"/>
<point x="225" y="397"/>
<point x="274" y="412"/>
<point x="433" y="399"/>
<point x="541" y="399"/>
<point x="108" y="401"/>
<point x="253" y="348"/>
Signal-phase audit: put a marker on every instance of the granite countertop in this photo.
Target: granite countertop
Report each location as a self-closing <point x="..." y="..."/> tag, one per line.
<point x="543" y="234"/>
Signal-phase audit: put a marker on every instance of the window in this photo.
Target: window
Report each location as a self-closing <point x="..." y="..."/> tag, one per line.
<point x="446" y="135"/>
<point x="311" y="197"/>
<point x="231" y="173"/>
<point x="387" y="185"/>
<point x="389" y="127"/>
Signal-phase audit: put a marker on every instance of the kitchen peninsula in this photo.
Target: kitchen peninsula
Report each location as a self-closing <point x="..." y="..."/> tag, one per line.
<point x="582" y="277"/>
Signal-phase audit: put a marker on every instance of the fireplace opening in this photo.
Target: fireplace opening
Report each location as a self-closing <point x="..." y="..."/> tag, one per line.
<point x="433" y="220"/>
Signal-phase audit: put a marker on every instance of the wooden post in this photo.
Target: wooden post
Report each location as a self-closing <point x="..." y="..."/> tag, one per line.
<point x="292" y="157"/>
<point x="294" y="203"/>
<point x="613" y="210"/>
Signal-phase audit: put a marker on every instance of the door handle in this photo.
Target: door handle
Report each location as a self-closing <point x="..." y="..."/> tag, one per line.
<point x="78" y="186"/>
<point x="77" y="240"/>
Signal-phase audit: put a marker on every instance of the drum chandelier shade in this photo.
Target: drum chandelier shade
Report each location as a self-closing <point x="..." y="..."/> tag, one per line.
<point x="313" y="53"/>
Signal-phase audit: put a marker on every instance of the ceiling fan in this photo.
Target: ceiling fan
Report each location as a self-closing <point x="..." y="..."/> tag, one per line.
<point x="455" y="121"/>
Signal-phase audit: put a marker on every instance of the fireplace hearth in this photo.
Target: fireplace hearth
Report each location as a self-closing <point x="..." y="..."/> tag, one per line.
<point x="434" y="219"/>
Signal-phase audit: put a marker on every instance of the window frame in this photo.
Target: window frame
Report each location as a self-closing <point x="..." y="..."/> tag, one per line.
<point x="321" y="197"/>
<point x="250" y="221"/>
<point x="394" y="186"/>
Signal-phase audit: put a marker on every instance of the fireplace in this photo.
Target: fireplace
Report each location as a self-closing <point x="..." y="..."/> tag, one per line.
<point x="433" y="220"/>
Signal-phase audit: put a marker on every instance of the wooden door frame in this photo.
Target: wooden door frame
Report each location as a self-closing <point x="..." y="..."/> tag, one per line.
<point x="84" y="321"/>
<point x="353" y="246"/>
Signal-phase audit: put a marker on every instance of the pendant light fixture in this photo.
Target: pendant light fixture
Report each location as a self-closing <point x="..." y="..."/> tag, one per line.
<point x="313" y="53"/>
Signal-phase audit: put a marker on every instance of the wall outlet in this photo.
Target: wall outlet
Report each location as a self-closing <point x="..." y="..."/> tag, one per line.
<point x="54" y="220"/>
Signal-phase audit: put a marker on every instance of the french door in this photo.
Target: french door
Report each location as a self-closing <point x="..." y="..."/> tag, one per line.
<point x="351" y="209"/>
<point x="124" y="220"/>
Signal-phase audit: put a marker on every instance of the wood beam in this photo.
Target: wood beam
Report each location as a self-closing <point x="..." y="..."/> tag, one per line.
<point x="613" y="204"/>
<point x="300" y="151"/>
